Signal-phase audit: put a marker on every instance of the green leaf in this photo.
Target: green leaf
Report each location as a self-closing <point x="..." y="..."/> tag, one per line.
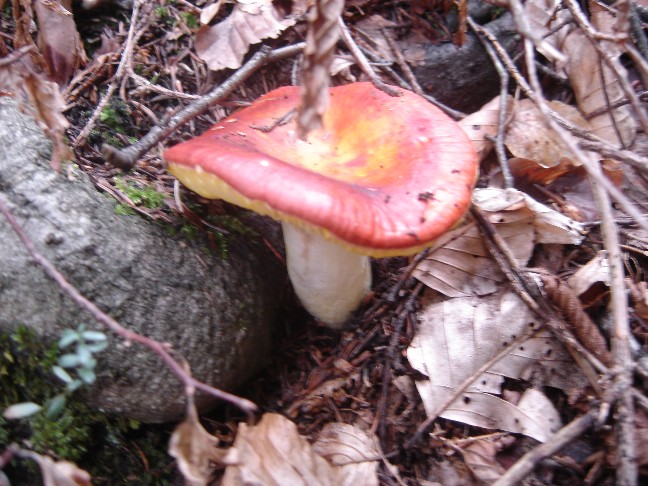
<point x="87" y="375"/>
<point x="55" y="406"/>
<point x="70" y="360"/>
<point x="94" y="336"/>
<point x="21" y="410"/>
<point x="61" y="374"/>
<point x="74" y="385"/>
<point x="68" y="336"/>
<point x="97" y="347"/>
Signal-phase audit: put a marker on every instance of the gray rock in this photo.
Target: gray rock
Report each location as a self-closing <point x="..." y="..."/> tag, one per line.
<point x="220" y="314"/>
<point x="463" y="78"/>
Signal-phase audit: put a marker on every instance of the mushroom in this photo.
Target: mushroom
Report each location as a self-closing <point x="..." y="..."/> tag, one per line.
<point x="385" y="176"/>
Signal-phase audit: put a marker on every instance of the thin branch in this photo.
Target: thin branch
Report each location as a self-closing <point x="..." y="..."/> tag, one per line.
<point x="131" y="39"/>
<point x="627" y="467"/>
<point x="504" y="83"/>
<point x="158" y="348"/>
<point x="127" y="158"/>
<point x="362" y="60"/>
<point x="523" y="467"/>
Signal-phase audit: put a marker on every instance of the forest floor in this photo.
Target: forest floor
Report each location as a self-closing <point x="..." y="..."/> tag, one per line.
<point x="142" y="64"/>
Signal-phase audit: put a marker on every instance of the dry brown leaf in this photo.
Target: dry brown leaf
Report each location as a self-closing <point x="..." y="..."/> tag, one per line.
<point x="273" y="453"/>
<point x="24" y="18"/>
<point x="529" y="137"/>
<point x="60" y="473"/>
<point x="353" y="450"/>
<point x="639" y="294"/>
<point x="372" y="27"/>
<point x="586" y="72"/>
<point x="458" y="336"/>
<point x="550" y="226"/>
<point x="209" y="12"/>
<point x="225" y="44"/>
<point x="459" y="264"/>
<point x="45" y="102"/>
<point x="584" y="67"/>
<point x="341" y="67"/>
<point x="195" y="450"/>
<point x="594" y="271"/>
<point x="58" y="39"/>
<point x="480" y="457"/>
<point x="482" y="124"/>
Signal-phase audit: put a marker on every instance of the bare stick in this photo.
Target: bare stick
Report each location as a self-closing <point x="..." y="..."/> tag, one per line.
<point x="158" y="348"/>
<point x="627" y="467"/>
<point x="504" y="82"/>
<point x="121" y="70"/>
<point x="560" y="439"/>
<point x="127" y="158"/>
<point x="363" y="62"/>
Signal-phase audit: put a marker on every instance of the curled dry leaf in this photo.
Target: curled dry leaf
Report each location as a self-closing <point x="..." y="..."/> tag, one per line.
<point x="195" y="450"/>
<point x="60" y="473"/>
<point x="484" y="123"/>
<point x="459" y="264"/>
<point x="550" y="225"/>
<point x="595" y="271"/>
<point x="273" y="453"/>
<point x="456" y="337"/>
<point x="480" y="457"/>
<point x="353" y="450"/>
<point x="594" y="83"/>
<point x="44" y="101"/>
<point x="58" y="39"/>
<point x="225" y="44"/>
<point x="529" y="137"/>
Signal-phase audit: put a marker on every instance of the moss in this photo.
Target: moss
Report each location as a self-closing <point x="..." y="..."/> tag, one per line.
<point x="190" y="20"/>
<point x="140" y="194"/>
<point x="113" y="450"/>
<point x="123" y="209"/>
<point x="115" y="116"/>
<point x="233" y="225"/>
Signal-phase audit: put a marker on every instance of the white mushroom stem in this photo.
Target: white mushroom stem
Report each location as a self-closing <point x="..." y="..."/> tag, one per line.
<point x="329" y="280"/>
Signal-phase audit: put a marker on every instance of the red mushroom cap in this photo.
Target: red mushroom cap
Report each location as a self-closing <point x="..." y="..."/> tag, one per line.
<point x="385" y="176"/>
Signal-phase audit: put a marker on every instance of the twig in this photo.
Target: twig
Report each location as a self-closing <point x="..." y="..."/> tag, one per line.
<point x="158" y="348"/>
<point x="362" y="61"/>
<point x="627" y="467"/>
<point x="398" y="320"/>
<point x="127" y="53"/>
<point x="625" y="425"/>
<point x="504" y="82"/>
<point x="611" y="62"/>
<point x="321" y="38"/>
<point x="609" y="151"/>
<point x="127" y="158"/>
<point x="560" y="439"/>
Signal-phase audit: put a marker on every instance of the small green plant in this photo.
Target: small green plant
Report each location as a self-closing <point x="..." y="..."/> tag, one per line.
<point x="75" y="369"/>
<point x="109" y="447"/>
<point x="116" y="116"/>
<point x="190" y="19"/>
<point x="141" y="195"/>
